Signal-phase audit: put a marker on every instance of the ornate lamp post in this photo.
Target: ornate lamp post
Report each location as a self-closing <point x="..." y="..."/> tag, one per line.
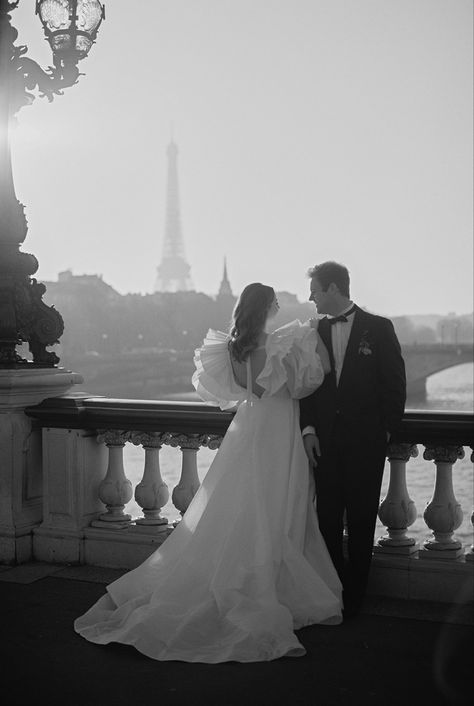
<point x="71" y="28"/>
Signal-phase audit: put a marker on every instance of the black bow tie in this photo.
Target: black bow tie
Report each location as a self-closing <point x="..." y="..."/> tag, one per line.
<point x="342" y="317"/>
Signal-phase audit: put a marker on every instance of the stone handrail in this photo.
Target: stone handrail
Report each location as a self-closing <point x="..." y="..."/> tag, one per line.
<point x="83" y="412"/>
<point x="87" y="522"/>
<point x="79" y="411"/>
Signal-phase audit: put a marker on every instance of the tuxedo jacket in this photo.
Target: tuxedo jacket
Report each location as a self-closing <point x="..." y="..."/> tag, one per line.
<point x="370" y="397"/>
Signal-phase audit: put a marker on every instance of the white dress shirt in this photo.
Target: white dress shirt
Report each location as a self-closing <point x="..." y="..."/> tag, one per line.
<point x="340" y="332"/>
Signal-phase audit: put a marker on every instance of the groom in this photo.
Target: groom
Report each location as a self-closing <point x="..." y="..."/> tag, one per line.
<point x="347" y="423"/>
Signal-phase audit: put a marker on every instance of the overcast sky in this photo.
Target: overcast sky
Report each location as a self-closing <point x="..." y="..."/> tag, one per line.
<point x="307" y="130"/>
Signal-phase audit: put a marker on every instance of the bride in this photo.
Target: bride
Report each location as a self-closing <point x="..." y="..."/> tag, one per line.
<point x="247" y="565"/>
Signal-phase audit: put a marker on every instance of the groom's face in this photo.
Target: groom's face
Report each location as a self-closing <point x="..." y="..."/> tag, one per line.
<point x="320" y="298"/>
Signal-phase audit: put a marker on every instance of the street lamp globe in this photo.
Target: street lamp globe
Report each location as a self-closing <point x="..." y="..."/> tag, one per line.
<point x="70" y="26"/>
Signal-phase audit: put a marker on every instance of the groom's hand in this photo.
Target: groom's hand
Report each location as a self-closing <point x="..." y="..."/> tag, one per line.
<point x="312" y="448"/>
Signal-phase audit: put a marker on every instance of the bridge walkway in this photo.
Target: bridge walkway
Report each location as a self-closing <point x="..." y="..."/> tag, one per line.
<point x="394" y="653"/>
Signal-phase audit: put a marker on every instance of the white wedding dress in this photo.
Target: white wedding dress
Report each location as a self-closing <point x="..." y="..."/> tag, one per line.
<point x="246" y="565"/>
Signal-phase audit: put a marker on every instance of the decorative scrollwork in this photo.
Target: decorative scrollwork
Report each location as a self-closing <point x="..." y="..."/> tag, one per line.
<point x="214" y="441"/>
<point x="401" y="452"/>
<point x="26" y="318"/>
<point x="26" y="75"/>
<point x="443" y="454"/>
<point x="187" y="441"/>
<point x="37" y="323"/>
<point x="113" y="437"/>
<point x="152" y="439"/>
<point x="49" y="82"/>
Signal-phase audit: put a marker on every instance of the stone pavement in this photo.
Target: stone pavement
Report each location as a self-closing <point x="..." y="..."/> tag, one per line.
<point x="396" y="653"/>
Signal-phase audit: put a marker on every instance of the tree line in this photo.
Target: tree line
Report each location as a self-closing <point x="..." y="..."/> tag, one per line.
<point x="101" y="322"/>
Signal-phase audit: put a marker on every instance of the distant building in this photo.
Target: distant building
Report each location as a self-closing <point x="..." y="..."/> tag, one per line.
<point x="225" y="301"/>
<point x="90" y="287"/>
<point x="287" y="299"/>
<point x="225" y="290"/>
<point x="173" y="273"/>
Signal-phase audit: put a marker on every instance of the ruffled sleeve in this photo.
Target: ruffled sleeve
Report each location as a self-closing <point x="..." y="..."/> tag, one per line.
<point x="213" y="379"/>
<point x="292" y="360"/>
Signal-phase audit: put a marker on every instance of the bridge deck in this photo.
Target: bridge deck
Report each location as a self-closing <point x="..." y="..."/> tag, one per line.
<point x="393" y="651"/>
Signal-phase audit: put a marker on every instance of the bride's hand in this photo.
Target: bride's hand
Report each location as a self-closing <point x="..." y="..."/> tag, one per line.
<point x="314" y="323"/>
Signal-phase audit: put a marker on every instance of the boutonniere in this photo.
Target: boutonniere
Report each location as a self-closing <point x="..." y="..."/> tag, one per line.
<point x="365" y="347"/>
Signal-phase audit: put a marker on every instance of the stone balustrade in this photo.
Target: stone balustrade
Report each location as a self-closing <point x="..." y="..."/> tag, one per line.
<point x="441" y="559"/>
<point x="86" y="489"/>
<point x="83" y="440"/>
<point x="443" y="436"/>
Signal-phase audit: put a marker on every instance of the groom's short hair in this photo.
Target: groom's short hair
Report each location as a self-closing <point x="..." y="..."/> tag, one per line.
<point x="330" y="271"/>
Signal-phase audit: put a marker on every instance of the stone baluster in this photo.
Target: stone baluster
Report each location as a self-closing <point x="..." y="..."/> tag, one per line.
<point x="470" y="551"/>
<point x="152" y="493"/>
<point x="397" y="511"/>
<point x="189" y="482"/>
<point x="443" y="513"/>
<point x="115" y="491"/>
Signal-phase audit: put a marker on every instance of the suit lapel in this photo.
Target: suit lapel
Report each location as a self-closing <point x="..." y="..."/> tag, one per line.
<point x="352" y="345"/>
<point x="325" y="333"/>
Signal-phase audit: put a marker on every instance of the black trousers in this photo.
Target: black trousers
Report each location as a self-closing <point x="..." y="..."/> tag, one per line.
<point x="348" y="478"/>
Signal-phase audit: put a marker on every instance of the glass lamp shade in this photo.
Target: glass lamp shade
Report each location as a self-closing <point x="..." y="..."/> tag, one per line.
<point x="70" y="25"/>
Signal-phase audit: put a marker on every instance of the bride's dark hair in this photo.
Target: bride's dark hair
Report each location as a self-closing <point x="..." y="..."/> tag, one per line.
<point x="248" y="319"/>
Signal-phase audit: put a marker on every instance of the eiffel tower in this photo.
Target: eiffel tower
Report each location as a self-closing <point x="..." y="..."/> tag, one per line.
<point x="173" y="274"/>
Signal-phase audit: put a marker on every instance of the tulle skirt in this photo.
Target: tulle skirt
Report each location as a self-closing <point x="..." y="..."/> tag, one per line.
<point x="245" y="567"/>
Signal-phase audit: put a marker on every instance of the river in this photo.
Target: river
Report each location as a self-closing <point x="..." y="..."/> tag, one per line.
<point x="449" y="390"/>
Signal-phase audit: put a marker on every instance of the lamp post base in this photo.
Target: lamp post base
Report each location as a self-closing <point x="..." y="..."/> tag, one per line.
<point x="21" y="500"/>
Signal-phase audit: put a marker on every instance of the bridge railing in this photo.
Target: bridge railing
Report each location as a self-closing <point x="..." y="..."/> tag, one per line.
<point x="86" y="487"/>
<point x="443" y="437"/>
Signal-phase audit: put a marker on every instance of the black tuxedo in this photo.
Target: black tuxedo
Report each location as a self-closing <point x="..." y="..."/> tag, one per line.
<point x="352" y="419"/>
